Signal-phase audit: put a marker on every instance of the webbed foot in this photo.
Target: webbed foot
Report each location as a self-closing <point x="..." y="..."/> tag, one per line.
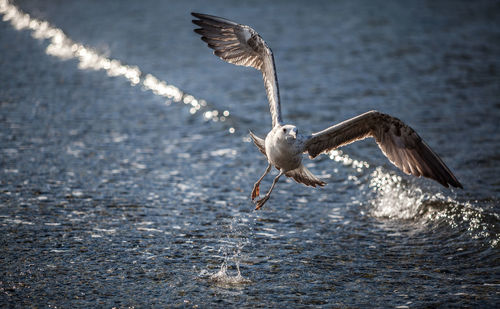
<point x="261" y="202"/>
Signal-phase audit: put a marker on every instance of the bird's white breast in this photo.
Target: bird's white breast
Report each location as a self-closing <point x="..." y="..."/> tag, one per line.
<point x="282" y="154"/>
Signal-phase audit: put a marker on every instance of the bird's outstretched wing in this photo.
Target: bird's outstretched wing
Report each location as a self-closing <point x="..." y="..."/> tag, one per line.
<point x="400" y="144"/>
<point x="241" y="45"/>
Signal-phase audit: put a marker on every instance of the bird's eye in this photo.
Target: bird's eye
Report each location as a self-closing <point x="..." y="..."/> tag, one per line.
<point x="284" y="130"/>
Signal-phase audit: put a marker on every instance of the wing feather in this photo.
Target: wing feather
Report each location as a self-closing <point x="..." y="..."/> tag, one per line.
<point x="259" y="142"/>
<point x="399" y="143"/>
<point x="241" y="45"/>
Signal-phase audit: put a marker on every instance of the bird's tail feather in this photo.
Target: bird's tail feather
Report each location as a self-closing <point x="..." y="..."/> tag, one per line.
<point x="303" y="175"/>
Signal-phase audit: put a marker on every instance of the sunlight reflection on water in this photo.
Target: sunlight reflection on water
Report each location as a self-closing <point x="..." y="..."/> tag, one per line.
<point x="399" y="200"/>
<point x="63" y="47"/>
<point x="395" y="199"/>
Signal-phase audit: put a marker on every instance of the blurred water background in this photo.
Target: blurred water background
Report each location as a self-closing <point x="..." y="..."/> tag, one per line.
<point x="126" y="165"/>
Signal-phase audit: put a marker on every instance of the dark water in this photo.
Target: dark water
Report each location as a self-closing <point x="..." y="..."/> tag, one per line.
<point x="118" y="190"/>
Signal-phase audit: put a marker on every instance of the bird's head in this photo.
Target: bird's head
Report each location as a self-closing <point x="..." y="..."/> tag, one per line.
<point x="288" y="132"/>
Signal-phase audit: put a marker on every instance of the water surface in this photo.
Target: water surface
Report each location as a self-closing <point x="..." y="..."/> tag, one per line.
<point x="126" y="165"/>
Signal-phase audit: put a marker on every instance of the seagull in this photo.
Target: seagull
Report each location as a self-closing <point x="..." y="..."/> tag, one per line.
<point x="284" y="145"/>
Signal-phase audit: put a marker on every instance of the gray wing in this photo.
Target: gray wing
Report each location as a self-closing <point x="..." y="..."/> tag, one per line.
<point x="241" y="45"/>
<point x="400" y="144"/>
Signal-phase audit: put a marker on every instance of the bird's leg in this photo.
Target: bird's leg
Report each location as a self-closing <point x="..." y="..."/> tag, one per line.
<point x="256" y="186"/>
<point x="261" y="202"/>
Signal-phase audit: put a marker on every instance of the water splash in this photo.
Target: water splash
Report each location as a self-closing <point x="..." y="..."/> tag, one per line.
<point x="62" y="47"/>
<point x="232" y="250"/>
<point x="396" y="199"/>
<point x="223" y="277"/>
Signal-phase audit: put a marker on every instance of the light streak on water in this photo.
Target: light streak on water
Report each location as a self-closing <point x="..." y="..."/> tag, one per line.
<point x="62" y="47"/>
